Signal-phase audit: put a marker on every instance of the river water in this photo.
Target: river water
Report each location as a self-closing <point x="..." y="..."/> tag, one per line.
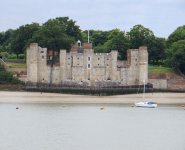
<point x="86" y="127"/>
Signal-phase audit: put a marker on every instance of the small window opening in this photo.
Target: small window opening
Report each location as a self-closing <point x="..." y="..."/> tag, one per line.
<point x="77" y="58"/>
<point x="107" y="65"/>
<point x="98" y="58"/>
<point x="42" y="57"/>
<point x="68" y="58"/>
<point x="42" y="52"/>
<point x="88" y="65"/>
<point x="43" y="79"/>
<point x="98" y="64"/>
<point x="88" y="58"/>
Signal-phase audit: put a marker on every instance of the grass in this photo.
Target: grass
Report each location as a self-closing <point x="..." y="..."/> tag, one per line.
<point x="163" y="70"/>
<point x="16" y="65"/>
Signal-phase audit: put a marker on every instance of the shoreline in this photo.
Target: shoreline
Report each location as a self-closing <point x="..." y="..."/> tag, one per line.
<point x="38" y="97"/>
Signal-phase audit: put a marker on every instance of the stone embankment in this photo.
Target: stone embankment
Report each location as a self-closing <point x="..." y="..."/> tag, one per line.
<point x="167" y="81"/>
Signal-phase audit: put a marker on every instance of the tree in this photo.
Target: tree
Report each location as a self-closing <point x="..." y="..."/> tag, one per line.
<point x="137" y="35"/>
<point x="21" y="36"/>
<point x="1" y="37"/>
<point x="156" y="47"/>
<point x="178" y="34"/>
<point x="176" y="55"/>
<point x="100" y="38"/>
<point x="119" y="42"/>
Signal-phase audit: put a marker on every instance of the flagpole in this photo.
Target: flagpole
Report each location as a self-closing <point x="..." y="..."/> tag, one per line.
<point x="88" y="35"/>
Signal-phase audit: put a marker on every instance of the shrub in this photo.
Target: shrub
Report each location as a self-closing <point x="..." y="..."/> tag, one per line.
<point x="4" y="54"/>
<point x="21" y="56"/>
<point x="13" y="56"/>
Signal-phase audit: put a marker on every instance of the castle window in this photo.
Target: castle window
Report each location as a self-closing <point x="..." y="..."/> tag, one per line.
<point x="77" y="58"/>
<point x="42" y="57"/>
<point x="136" y="59"/>
<point x="77" y="64"/>
<point x="43" y="79"/>
<point x="98" y="64"/>
<point x="89" y="59"/>
<point x="88" y="65"/>
<point x="69" y="64"/>
<point x="68" y="58"/>
<point x="42" y="52"/>
<point x="136" y="64"/>
<point x="107" y="59"/>
<point x="98" y="58"/>
<point x="107" y="65"/>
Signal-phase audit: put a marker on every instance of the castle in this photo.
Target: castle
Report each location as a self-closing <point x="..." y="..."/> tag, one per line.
<point x="82" y="65"/>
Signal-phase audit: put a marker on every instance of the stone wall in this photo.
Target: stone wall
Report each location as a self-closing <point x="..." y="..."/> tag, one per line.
<point x="158" y="83"/>
<point x="8" y="69"/>
<point x="174" y="84"/>
<point x="87" y="67"/>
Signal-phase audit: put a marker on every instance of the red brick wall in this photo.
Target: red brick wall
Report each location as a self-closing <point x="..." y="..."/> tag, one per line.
<point x="163" y="76"/>
<point x="87" y="45"/>
<point x="174" y="84"/>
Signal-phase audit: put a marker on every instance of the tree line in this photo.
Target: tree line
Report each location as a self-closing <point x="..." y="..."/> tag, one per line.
<point x="61" y="33"/>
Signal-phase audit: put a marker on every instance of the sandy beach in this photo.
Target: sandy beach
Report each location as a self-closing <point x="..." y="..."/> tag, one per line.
<point x="37" y="97"/>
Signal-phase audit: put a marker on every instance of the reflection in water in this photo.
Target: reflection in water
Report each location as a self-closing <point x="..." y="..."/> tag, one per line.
<point x="85" y="126"/>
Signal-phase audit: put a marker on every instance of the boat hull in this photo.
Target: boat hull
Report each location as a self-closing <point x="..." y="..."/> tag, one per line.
<point x="146" y="104"/>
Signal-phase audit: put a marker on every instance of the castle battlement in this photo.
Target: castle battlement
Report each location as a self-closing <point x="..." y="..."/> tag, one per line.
<point x="87" y="66"/>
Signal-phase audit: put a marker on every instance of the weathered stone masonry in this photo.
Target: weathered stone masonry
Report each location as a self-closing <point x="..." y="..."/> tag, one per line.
<point x="82" y="65"/>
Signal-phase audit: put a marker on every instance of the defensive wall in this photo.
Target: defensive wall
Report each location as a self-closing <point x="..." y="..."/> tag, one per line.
<point x="8" y="69"/>
<point x="83" y="66"/>
<point x="166" y="81"/>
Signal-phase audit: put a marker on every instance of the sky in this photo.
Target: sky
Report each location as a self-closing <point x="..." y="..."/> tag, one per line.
<point x="160" y="16"/>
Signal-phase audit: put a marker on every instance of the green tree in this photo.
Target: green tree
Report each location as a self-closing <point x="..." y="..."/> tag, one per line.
<point x="178" y="34"/>
<point x="119" y="42"/>
<point x="100" y="38"/>
<point x="4" y="47"/>
<point x="1" y="37"/>
<point x="176" y="55"/>
<point x="21" y="36"/>
<point x="137" y="35"/>
<point x="155" y="47"/>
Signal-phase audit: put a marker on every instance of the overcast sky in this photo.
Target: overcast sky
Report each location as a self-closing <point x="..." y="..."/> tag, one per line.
<point x="160" y="16"/>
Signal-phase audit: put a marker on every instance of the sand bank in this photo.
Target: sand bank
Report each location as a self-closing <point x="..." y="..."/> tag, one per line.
<point x="37" y="97"/>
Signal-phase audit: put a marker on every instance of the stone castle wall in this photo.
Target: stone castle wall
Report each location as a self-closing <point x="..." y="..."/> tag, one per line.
<point x="87" y="67"/>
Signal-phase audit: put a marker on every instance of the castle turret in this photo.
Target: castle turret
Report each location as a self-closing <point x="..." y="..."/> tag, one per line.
<point x="62" y="65"/>
<point x="143" y="62"/>
<point x="114" y="54"/>
<point x="32" y="62"/>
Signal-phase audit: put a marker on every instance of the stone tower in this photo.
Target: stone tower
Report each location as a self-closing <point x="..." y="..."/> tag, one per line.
<point x="32" y="62"/>
<point x="143" y="63"/>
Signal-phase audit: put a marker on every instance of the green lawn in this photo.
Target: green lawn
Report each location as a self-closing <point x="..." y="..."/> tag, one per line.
<point x="16" y="65"/>
<point x="162" y="70"/>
